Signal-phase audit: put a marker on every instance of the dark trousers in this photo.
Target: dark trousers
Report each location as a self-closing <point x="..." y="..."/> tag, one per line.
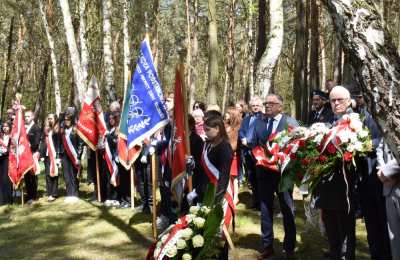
<point x="6" y="188"/>
<point x="374" y="212"/>
<point x="124" y="188"/>
<point x="267" y="186"/>
<point x="70" y="177"/>
<point x="144" y="185"/>
<point x="251" y="176"/>
<point x="340" y="229"/>
<point x="51" y="182"/>
<point x="167" y="206"/>
<point x="31" y="184"/>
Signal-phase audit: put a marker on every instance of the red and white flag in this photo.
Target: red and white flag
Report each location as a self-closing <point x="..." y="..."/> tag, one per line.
<point x="91" y="125"/>
<point x="20" y="159"/>
<point x="51" y="150"/>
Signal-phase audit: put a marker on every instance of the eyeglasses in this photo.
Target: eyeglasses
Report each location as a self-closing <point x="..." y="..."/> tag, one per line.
<point x="338" y="100"/>
<point x="254" y="105"/>
<point x="359" y="96"/>
<point x="271" y="103"/>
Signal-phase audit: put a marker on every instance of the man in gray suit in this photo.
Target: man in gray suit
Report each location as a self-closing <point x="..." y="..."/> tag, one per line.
<point x="389" y="174"/>
<point x="267" y="180"/>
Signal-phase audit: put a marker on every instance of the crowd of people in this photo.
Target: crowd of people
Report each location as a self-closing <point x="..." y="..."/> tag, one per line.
<point x="221" y="153"/>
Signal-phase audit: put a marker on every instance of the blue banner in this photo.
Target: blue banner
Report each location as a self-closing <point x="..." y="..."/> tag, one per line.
<point x="146" y="110"/>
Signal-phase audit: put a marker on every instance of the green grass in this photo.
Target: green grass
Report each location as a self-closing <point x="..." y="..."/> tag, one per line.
<point x="89" y="231"/>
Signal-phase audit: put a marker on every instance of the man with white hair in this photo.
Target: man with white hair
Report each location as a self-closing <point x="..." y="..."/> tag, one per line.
<point x="246" y="136"/>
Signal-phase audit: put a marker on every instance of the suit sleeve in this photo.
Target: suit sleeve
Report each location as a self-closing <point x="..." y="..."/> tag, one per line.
<point x="35" y="141"/>
<point x="224" y="167"/>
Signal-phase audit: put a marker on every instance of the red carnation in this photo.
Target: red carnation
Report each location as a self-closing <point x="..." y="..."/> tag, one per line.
<point x="322" y="159"/>
<point x="299" y="176"/>
<point x="293" y="156"/>
<point x="304" y="161"/>
<point x="347" y="156"/>
<point x="331" y="148"/>
<point x="302" y="143"/>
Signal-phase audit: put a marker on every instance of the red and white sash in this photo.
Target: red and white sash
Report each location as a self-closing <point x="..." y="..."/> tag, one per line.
<point x="112" y="166"/>
<point x="70" y="150"/>
<point x="51" y="150"/>
<point x="210" y="170"/>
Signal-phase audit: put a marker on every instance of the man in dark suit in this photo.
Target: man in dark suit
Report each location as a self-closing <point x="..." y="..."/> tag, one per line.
<point x="320" y="112"/>
<point x="268" y="180"/>
<point x="34" y="134"/>
<point x="246" y="136"/>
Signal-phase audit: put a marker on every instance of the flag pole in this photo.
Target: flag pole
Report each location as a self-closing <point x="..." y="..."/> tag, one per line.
<point x="185" y="111"/>
<point x="22" y="193"/>
<point x="132" y="187"/>
<point x="98" y="177"/>
<point x="154" y="194"/>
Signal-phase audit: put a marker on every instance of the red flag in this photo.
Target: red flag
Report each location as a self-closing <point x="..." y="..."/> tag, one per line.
<point x="91" y="122"/>
<point x="20" y="159"/>
<point x="177" y="146"/>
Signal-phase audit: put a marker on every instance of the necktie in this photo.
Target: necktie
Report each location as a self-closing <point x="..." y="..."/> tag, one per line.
<point x="270" y="125"/>
<point x="250" y="131"/>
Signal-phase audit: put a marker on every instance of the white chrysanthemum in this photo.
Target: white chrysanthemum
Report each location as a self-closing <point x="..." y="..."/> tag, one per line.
<point x="199" y="222"/>
<point x="363" y="133"/>
<point x="172" y="251"/>
<point x="358" y="146"/>
<point x="164" y="238"/>
<point x="190" y="217"/>
<point x="181" y="244"/>
<point x="187" y="233"/>
<point x="194" y="209"/>
<point x="353" y="137"/>
<point x="186" y="256"/>
<point x="198" y="241"/>
<point x="350" y="148"/>
<point x="300" y="131"/>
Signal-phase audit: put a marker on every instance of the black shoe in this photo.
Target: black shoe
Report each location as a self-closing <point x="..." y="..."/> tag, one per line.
<point x="266" y="253"/>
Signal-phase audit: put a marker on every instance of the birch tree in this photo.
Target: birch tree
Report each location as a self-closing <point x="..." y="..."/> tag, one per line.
<point x="82" y="40"/>
<point x="107" y="50"/>
<point x="268" y="61"/>
<point x="231" y="52"/>
<point x="54" y="65"/>
<point x="7" y="66"/>
<point x="126" y="44"/>
<point x="375" y="60"/>
<point x="213" y="53"/>
<point x="73" y="50"/>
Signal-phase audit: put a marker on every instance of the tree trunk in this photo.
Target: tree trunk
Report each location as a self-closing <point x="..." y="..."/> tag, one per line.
<point x="225" y="95"/>
<point x="323" y="51"/>
<point x="82" y="40"/>
<point x="252" y="51"/>
<point x="107" y="49"/>
<point x="188" y="52"/>
<point x="7" y="76"/>
<point x="194" y="56"/>
<point x="127" y="54"/>
<point x="300" y="54"/>
<point x="154" y="32"/>
<point x="213" y="54"/>
<point x="54" y="64"/>
<point x="41" y="91"/>
<point x="337" y="66"/>
<point x="375" y="60"/>
<point x="314" y="45"/>
<point x="73" y="50"/>
<point x="19" y="70"/>
<point x="266" y="66"/>
<point x="231" y="54"/>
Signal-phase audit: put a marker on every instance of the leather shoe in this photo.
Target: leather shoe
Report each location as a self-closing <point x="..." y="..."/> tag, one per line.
<point x="266" y="253"/>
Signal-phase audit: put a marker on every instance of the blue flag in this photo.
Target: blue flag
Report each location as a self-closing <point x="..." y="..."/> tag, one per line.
<point x="146" y="110"/>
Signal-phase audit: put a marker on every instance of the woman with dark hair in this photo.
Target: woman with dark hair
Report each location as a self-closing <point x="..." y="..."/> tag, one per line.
<point x="49" y="149"/>
<point x="5" y="183"/>
<point x="199" y="105"/>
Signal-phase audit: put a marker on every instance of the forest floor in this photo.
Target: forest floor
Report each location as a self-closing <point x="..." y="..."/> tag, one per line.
<point x="88" y="230"/>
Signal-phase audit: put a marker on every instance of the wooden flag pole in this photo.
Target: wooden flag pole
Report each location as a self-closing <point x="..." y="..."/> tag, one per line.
<point x="227" y="236"/>
<point x="185" y="110"/>
<point x="98" y="177"/>
<point x="22" y="193"/>
<point x="154" y="194"/>
<point x="132" y="187"/>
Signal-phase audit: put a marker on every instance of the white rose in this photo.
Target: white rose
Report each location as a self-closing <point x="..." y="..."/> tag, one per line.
<point x="350" y="148"/>
<point x="353" y="137"/>
<point x="199" y="222"/>
<point x="186" y="257"/>
<point x="172" y="251"/>
<point x="363" y="133"/>
<point x="181" y="244"/>
<point x="190" y="217"/>
<point x="198" y="241"/>
<point x="187" y="233"/>
<point x="358" y="146"/>
<point x="205" y="209"/>
<point x="194" y="209"/>
<point x="356" y="125"/>
<point x="354" y="116"/>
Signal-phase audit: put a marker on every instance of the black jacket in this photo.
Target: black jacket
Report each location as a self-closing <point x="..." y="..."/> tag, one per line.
<point x="34" y="135"/>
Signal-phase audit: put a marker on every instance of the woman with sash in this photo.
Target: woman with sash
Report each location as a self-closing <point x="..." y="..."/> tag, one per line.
<point x="5" y="183"/>
<point x="49" y="150"/>
<point x="71" y="151"/>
